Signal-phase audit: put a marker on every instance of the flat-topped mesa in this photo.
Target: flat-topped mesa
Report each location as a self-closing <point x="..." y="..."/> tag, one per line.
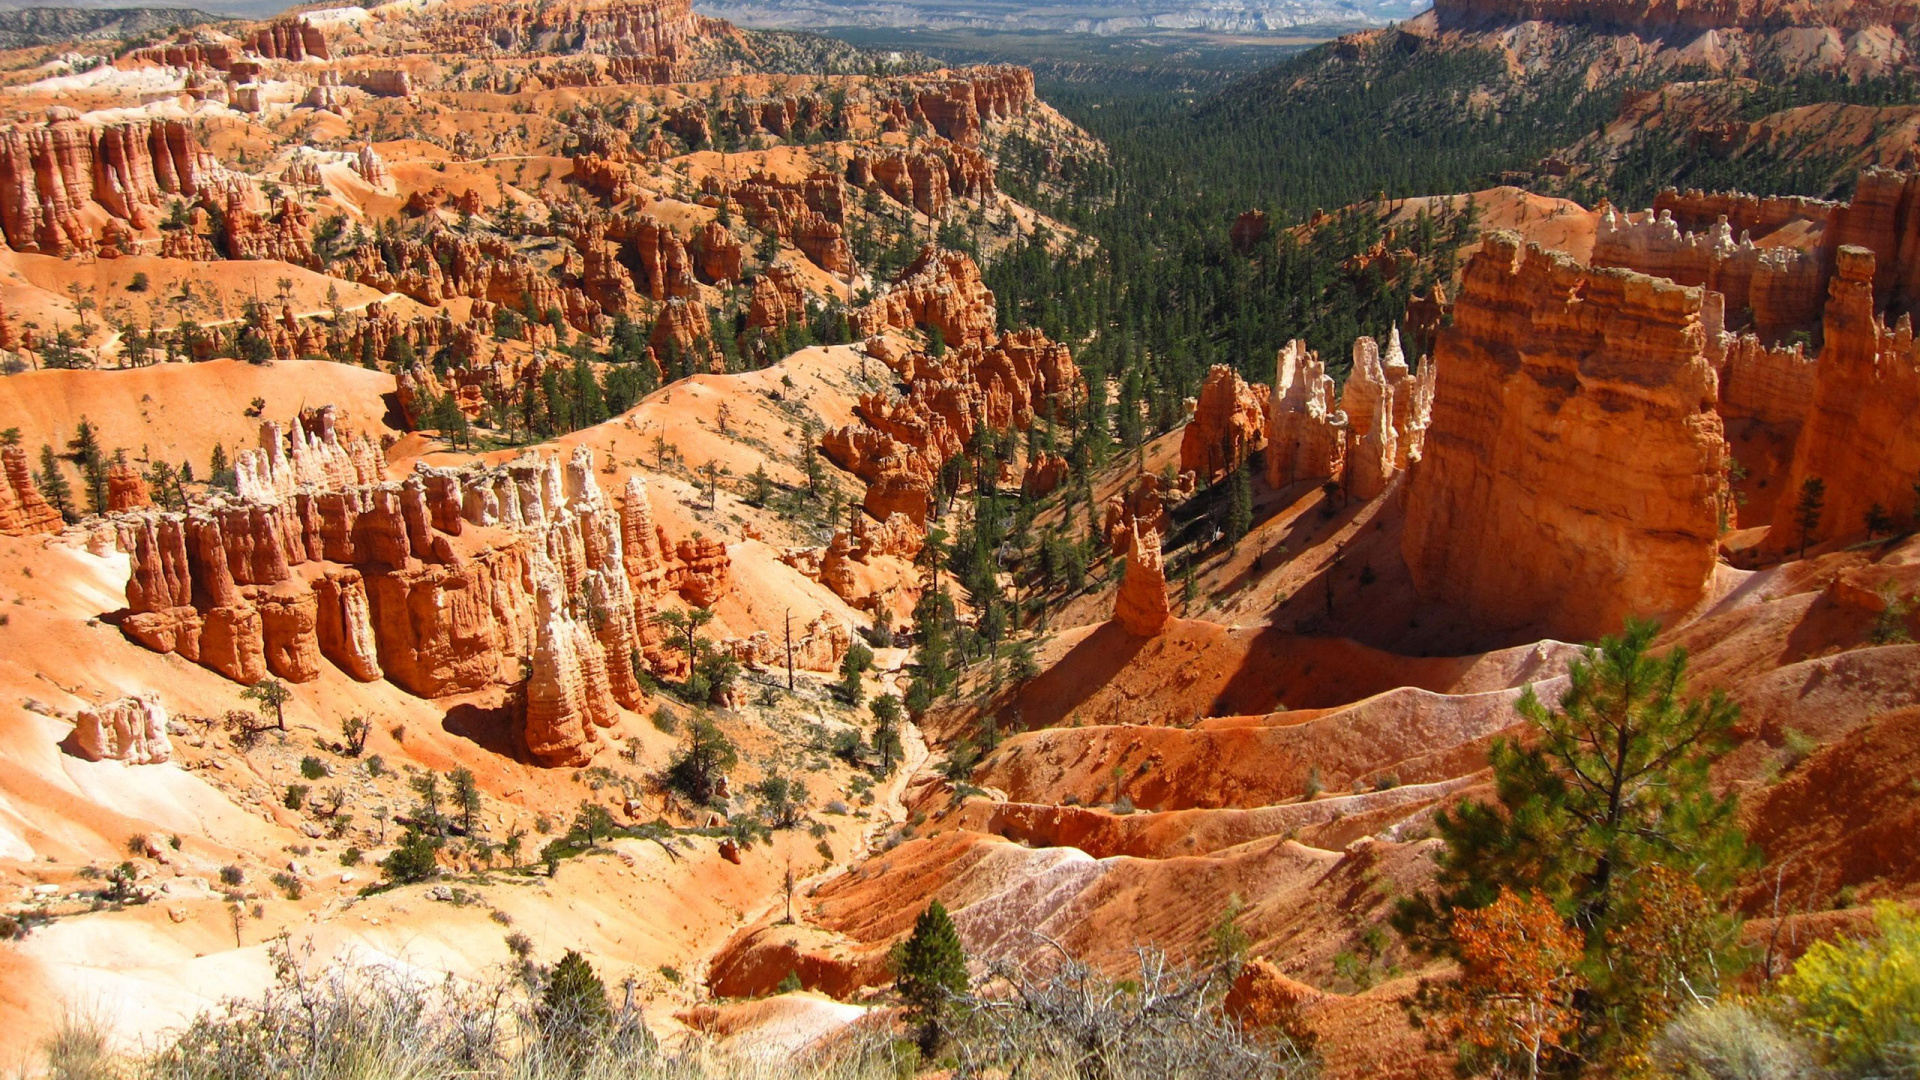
<point x="1141" y="606"/>
<point x="1859" y="438"/>
<point x="52" y="174"/>
<point x="1228" y="425"/>
<point x="23" y="510"/>
<point x="1778" y="289"/>
<point x="1575" y="466"/>
<point x="1661" y="15"/>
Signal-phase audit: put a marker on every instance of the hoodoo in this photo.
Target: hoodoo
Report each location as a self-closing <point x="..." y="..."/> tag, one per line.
<point x="1574" y="465"/>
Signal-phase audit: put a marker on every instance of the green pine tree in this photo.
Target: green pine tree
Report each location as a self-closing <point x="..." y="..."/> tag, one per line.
<point x="53" y="484"/>
<point x="1609" y="791"/>
<point x="573" y="1012"/>
<point x="930" y="968"/>
<point x="1806" y="512"/>
<point x="1239" y="504"/>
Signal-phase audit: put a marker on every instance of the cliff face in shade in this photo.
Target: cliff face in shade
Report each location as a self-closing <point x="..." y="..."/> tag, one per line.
<point x="1859" y="436"/>
<point x="1141" y="606"/>
<point x="1228" y="425"/>
<point x="1574" y="462"/>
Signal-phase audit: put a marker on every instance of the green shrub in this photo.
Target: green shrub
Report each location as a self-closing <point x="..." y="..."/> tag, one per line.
<point x="416" y="859"/>
<point x="311" y="768"/>
<point x="1860" y="998"/>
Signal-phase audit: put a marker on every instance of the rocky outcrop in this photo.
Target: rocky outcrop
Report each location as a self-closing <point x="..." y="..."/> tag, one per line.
<point x="1859" y="437"/>
<point x="1141" y="606"/>
<point x="1146" y="504"/>
<point x="1774" y="290"/>
<point x="23" y="510"/>
<point x="428" y="582"/>
<point x="1674" y="15"/>
<point x="293" y="39"/>
<point x="1306" y="431"/>
<point x="1228" y="425"/>
<point x="372" y="167"/>
<point x="289" y="632"/>
<point x="1388" y="409"/>
<point x="285" y="235"/>
<point x="940" y="290"/>
<point x="1251" y="227"/>
<point x="52" y="173"/>
<point x="132" y="729"/>
<point x="957" y="106"/>
<point x="899" y="445"/>
<point x="1574" y="467"/>
<point x="702" y="571"/>
<point x="344" y="624"/>
<point x="820" y="646"/>
<point x="926" y="176"/>
<point x="633" y="29"/>
<point x="126" y="488"/>
<point x="563" y="708"/>
<point x="1044" y="473"/>
<point x="717" y="254"/>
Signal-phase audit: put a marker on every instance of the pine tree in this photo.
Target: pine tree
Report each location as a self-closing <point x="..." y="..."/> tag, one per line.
<point x="573" y="1012"/>
<point x="886" y="730"/>
<point x="466" y="796"/>
<point x="1239" y="504"/>
<point x="53" y="484"/>
<point x="1806" y="512"/>
<point x="219" y="469"/>
<point x="85" y="444"/>
<point x="1606" y="798"/>
<point x="930" y="968"/>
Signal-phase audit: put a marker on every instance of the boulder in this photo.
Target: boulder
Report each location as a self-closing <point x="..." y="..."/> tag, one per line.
<point x="132" y="729"/>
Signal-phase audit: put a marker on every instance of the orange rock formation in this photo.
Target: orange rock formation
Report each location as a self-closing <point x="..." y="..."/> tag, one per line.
<point x="1573" y="470"/>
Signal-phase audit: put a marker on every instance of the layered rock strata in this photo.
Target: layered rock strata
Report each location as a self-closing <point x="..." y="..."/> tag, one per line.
<point x="1141" y="606"/>
<point x="1228" y="425"/>
<point x="23" y="510"/>
<point x="1574" y="466"/>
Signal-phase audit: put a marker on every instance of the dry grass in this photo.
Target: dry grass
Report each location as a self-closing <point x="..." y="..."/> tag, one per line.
<point x="373" y="1023"/>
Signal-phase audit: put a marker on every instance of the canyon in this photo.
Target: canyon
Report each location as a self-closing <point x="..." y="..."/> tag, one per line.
<point x="627" y="422"/>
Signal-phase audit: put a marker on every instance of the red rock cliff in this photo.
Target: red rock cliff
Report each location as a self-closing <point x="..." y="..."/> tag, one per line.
<point x="1859" y="437"/>
<point x="1574" y="462"/>
<point x="1683" y="14"/>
